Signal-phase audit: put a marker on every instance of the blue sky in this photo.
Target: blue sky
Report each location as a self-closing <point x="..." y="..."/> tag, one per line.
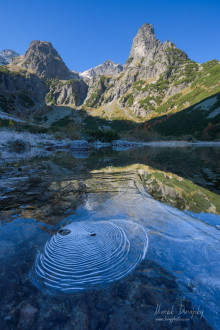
<point x="88" y="33"/>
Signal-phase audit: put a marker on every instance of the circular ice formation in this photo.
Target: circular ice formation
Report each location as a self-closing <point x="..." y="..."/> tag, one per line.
<point x="84" y="254"/>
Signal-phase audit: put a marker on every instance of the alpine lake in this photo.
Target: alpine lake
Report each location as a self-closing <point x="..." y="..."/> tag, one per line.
<point x="172" y="193"/>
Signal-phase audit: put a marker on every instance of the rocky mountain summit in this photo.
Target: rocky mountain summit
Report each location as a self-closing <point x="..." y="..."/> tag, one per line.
<point x="157" y="84"/>
<point x="45" y="62"/>
<point x="148" y="51"/>
<point x="146" y="74"/>
<point x="106" y="68"/>
<point x="7" y="55"/>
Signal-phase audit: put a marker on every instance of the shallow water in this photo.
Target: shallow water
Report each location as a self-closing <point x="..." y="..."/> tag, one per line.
<point x="178" y="279"/>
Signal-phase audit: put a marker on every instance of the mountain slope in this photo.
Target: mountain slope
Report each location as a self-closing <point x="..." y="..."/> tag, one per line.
<point x="201" y="120"/>
<point x="157" y="79"/>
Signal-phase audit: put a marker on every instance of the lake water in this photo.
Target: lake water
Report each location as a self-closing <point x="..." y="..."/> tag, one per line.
<point x="176" y="284"/>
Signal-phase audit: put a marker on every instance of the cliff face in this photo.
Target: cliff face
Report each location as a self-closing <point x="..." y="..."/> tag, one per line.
<point x="25" y="94"/>
<point x="31" y="83"/>
<point x="45" y="61"/>
<point x="21" y="93"/>
<point x="71" y="92"/>
<point x="150" y="56"/>
<point x="149" y="75"/>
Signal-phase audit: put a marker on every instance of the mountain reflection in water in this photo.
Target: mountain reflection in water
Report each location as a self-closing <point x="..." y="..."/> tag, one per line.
<point x="181" y="266"/>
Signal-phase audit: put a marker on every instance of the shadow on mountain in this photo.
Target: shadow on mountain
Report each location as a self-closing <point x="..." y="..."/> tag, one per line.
<point x="189" y="124"/>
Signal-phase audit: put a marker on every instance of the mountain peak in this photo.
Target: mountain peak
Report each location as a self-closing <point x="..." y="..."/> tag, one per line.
<point x="108" y="67"/>
<point x="144" y="42"/>
<point x="42" y="58"/>
<point x="147" y="29"/>
<point x="109" y="61"/>
<point x="7" y="55"/>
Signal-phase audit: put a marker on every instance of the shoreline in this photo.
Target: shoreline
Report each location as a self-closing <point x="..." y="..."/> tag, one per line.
<point x="182" y="143"/>
<point x="39" y="144"/>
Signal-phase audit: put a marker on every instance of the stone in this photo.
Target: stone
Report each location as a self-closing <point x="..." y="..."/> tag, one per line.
<point x="119" y="145"/>
<point x="27" y="317"/>
<point x="79" y="144"/>
<point x="18" y="145"/>
<point x="7" y="249"/>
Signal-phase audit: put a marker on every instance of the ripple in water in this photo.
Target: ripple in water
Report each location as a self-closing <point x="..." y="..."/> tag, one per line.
<point x="85" y="254"/>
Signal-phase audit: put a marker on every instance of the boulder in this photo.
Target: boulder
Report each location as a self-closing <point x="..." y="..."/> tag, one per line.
<point x="27" y="317"/>
<point x="18" y="145"/>
<point x="80" y="145"/>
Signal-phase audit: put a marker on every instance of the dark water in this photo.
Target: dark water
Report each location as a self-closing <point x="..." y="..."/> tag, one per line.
<point x="176" y="285"/>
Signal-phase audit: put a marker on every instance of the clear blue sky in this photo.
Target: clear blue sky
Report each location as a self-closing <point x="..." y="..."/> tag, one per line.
<point x="86" y="33"/>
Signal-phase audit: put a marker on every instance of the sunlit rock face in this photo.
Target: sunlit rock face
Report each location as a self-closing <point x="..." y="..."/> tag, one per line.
<point x="7" y="55"/>
<point x="45" y="61"/>
<point x="145" y="41"/>
<point x="108" y="67"/>
<point x="83" y="255"/>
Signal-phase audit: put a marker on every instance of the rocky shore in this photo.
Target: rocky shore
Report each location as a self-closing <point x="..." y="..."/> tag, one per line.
<point x="24" y="144"/>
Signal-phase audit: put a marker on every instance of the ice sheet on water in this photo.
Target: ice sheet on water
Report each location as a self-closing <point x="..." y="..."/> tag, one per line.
<point x="86" y="254"/>
<point x="182" y="244"/>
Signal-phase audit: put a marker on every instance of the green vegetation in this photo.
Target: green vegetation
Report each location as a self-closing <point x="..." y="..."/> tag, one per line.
<point x="103" y="80"/>
<point x="3" y="103"/>
<point x="130" y="100"/>
<point x="169" y="104"/>
<point x="50" y="99"/>
<point x="209" y="76"/>
<point x="20" y="127"/>
<point x="176" y="55"/>
<point x="94" y="98"/>
<point x="191" y="121"/>
<point x="52" y="83"/>
<point x="204" y="83"/>
<point x="187" y="75"/>
<point x="138" y="84"/>
<point x="148" y="104"/>
<point x="25" y="101"/>
<point x="127" y="99"/>
<point x="4" y="70"/>
<point x="129" y="60"/>
<point x="160" y="86"/>
<point x="207" y="83"/>
<point x="181" y="193"/>
<point x="65" y="121"/>
<point x="121" y="75"/>
<point x="102" y="135"/>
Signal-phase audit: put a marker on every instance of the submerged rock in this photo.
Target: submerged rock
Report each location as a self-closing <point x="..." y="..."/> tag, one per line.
<point x="80" y="144"/>
<point x="7" y="249"/>
<point x="80" y="153"/>
<point x="18" y="145"/>
<point x="27" y="316"/>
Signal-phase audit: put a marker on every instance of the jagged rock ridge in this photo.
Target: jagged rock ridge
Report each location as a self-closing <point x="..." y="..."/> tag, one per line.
<point x="146" y="75"/>
<point x="7" y="55"/>
<point x="106" y="68"/>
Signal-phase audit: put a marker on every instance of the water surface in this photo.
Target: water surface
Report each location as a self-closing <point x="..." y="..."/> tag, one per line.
<point x="176" y="285"/>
